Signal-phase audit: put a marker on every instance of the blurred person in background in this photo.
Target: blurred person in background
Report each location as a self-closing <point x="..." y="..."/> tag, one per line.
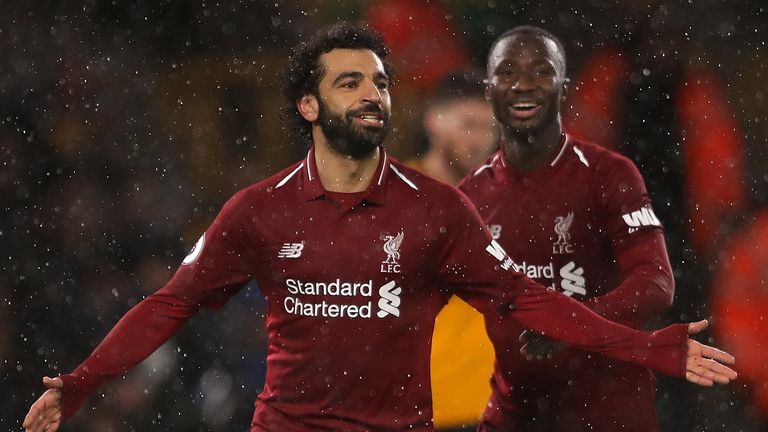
<point x="460" y="133"/>
<point x="333" y="363"/>
<point x="574" y="217"/>
<point x="459" y="127"/>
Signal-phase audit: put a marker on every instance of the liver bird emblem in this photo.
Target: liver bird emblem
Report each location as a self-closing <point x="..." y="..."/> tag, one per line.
<point x="562" y="226"/>
<point x="392" y="247"/>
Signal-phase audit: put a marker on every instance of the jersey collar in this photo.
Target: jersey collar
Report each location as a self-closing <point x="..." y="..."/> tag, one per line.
<point x="546" y="167"/>
<point x="313" y="189"/>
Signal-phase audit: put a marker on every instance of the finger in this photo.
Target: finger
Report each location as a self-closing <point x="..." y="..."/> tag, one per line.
<point x="534" y="348"/>
<point x="699" y="380"/>
<point x="35" y="411"/>
<point x="697" y="327"/>
<point x="524" y="350"/>
<point x="53" y="383"/>
<point x="716" y="354"/>
<point x="523" y="336"/>
<point x="54" y="425"/>
<point x="712" y="370"/>
<point x="45" y="408"/>
<point x="719" y="372"/>
<point x="37" y="423"/>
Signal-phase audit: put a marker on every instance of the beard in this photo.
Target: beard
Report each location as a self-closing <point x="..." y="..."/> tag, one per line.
<point x="349" y="139"/>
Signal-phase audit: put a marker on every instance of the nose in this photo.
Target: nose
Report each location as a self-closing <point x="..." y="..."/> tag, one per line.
<point x="523" y="82"/>
<point x="371" y="92"/>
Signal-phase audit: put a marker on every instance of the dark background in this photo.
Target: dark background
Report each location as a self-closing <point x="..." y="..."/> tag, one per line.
<point x="124" y="126"/>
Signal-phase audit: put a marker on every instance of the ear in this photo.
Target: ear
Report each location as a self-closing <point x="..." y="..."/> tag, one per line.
<point x="565" y="89"/>
<point x="308" y="108"/>
<point x="431" y="121"/>
<point x="487" y="90"/>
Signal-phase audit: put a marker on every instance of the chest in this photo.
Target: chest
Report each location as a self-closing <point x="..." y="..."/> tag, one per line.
<point x="555" y="216"/>
<point x="553" y="229"/>
<point x="368" y="262"/>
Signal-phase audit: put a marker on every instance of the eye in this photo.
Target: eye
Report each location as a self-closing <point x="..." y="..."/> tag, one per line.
<point x="349" y="84"/>
<point x="546" y="72"/>
<point x="505" y="74"/>
<point x="382" y="85"/>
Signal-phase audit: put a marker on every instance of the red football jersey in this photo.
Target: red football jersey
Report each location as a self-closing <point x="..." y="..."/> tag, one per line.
<point x="564" y="224"/>
<point x="353" y="289"/>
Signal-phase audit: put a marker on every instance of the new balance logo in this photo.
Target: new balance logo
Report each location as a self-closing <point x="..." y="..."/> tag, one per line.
<point x="291" y="250"/>
<point x="497" y="251"/>
<point x="573" y="281"/>
<point x="642" y="217"/>
<point x="389" y="302"/>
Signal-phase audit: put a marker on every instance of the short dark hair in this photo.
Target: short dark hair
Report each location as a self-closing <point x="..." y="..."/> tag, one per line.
<point x="304" y="71"/>
<point x="529" y="29"/>
<point x="458" y="84"/>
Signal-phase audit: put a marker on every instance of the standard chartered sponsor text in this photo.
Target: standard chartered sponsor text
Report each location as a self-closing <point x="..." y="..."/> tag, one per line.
<point x="301" y="293"/>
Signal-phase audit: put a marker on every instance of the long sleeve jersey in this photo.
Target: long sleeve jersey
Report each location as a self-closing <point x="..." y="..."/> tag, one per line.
<point x="353" y="288"/>
<point x="581" y="224"/>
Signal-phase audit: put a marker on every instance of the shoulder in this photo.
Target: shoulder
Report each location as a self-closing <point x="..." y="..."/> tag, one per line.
<point x="600" y="160"/>
<point x="432" y="192"/>
<point x="484" y="172"/>
<point x="483" y="176"/>
<point x="409" y="175"/>
<point x="271" y="187"/>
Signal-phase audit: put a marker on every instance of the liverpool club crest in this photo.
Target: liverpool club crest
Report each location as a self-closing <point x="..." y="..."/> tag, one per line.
<point x="562" y="228"/>
<point x="392" y="244"/>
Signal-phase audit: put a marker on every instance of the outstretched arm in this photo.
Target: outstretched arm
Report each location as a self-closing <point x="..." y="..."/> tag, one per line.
<point x="668" y="350"/>
<point x="139" y="333"/>
<point x="219" y="265"/>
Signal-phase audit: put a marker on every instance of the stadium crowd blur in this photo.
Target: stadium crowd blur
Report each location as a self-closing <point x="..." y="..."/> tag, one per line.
<point x="126" y="125"/>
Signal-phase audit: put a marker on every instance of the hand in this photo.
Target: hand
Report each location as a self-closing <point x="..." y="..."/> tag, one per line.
<point x="45" y="413"/>
<point x="538" y="347"/>
<point x="704" y="363"/>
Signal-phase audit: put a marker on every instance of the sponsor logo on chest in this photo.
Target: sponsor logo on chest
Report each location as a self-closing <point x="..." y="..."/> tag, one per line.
<point x="340" y="299"/>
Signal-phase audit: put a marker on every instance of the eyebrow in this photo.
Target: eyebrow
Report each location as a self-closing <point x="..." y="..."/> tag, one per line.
<point x="358" y="76"/>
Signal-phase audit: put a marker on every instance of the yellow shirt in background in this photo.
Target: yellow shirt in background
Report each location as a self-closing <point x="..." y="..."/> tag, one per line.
<point x="461" y="365"/>
<point x="462" y="360"/>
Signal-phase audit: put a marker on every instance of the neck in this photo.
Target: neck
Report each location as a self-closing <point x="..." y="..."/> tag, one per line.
<point x="527" y="152"/>
<point x="341" y="173"/>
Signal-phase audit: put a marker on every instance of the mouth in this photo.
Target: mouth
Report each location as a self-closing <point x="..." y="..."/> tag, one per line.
<point x="369" y="119"/>
<point x="525" y="109"/>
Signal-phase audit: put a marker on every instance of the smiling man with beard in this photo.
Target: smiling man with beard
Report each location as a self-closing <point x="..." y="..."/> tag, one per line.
<point x="350" y="214"/>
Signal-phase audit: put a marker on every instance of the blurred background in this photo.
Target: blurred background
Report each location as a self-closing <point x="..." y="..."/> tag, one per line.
<point x="124" y="126"/>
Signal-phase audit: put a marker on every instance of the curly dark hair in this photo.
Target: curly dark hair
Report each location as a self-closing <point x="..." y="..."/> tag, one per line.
<point x="304" y="71"/>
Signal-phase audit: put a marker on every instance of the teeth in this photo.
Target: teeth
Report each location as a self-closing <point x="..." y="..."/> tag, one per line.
<point x="525" y="105"/>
